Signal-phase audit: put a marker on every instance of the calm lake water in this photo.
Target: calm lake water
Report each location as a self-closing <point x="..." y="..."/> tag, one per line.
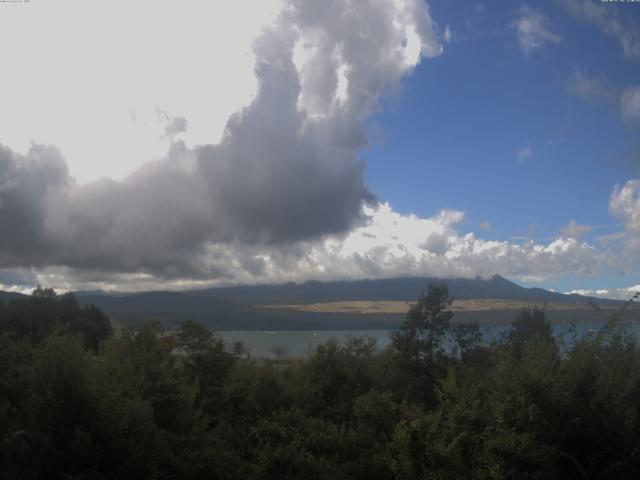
<point x="264" y="344"/>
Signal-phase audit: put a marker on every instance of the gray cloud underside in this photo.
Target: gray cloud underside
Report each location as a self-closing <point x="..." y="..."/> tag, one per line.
<point x="286" y="170"/>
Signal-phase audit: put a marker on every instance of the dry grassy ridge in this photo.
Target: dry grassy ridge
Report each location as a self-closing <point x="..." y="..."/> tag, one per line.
<point x="476" y="305"/>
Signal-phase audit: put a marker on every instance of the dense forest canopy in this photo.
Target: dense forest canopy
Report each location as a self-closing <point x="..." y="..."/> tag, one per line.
<point x="78" y="401"/>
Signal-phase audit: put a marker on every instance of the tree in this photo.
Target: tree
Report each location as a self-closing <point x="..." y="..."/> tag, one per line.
<point x="468" y="339"/>
<point x="419" y="343"/>
<point x="194" y="337"/>
<point x="530" y="325"/>
<point x="279" y="351"/>
<point x="42" y="292"/>
<point x="421" y="335"/>
<point x="44" y="312"/>
<point x="207" y="361"/>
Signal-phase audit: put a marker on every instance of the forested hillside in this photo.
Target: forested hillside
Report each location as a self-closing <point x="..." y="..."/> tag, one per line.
<point x="80" y="402"/>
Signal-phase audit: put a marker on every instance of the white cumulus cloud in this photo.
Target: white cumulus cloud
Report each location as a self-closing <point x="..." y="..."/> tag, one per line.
<point x="624" y="204"/>
<point x="533" y="30"/>
<point x="387" y="244"/>
<point x="624" y="293"/>
<point x="575" y="230"/>
<point x="630" y="103"/>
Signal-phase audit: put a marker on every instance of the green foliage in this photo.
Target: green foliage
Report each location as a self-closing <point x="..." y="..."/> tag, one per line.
<point x="334" y="375"/>
<point x="291" y="445"/>
<point x="194" y="338"/>
<point x="530" y="325"/>
<point x="467" y="339"/>
<point x="420" y="338"/>
<point x="419" y="344"/>
<point x="38" y="316"/>
<point x="438" y="403"/>
<point x="17" y="381"/>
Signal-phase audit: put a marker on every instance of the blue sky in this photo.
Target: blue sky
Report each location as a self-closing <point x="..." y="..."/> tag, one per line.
<point x="188" y="144"/>
<point x="451" y="139"/>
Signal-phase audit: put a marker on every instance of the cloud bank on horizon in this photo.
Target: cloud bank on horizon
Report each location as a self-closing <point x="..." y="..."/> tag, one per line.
<point x="282" y="196"/>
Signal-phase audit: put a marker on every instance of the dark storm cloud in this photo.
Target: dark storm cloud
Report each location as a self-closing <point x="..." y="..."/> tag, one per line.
<point x="286" y="170"/>
<point x="25" y="184"/>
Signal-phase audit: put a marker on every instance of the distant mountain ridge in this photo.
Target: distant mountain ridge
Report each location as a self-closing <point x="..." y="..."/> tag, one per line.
<point x="8" y="296"/>
<point x="241" y="307"/>
<point x="393" y="289"/>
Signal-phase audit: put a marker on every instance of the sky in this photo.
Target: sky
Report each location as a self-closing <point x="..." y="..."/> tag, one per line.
<point x="189" y="144"/>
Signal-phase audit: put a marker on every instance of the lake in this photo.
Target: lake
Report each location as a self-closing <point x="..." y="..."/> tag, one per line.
<point x="296" y="343"/>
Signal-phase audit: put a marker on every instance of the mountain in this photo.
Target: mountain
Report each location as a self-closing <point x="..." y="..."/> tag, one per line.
<point x="243" y="307"/>
<point x="165" y="306"/>
<point x="257" y="307"/>
<point x="174" y="307"/>
<point x="394" y="289"/>
<point x="8" y="296"/>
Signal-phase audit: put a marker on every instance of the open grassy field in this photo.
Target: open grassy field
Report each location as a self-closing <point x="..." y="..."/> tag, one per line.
<point x="476" y="305"/>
